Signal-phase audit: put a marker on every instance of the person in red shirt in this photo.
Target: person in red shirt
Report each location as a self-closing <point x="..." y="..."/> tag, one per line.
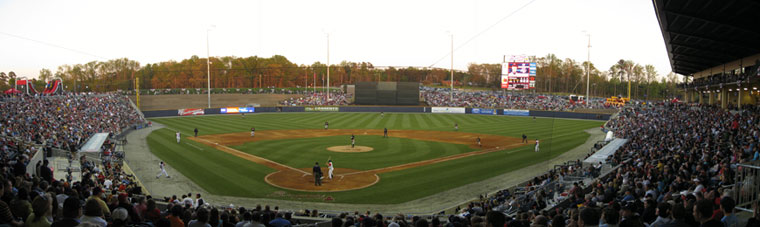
<point x="174" y="217"/>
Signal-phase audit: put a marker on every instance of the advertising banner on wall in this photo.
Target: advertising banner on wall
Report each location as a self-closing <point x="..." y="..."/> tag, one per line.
<point x="234" y="110"/>
<point x="513" y="112"/>
<point x="457" y="110"/>
<point x="190" y="112"/>
<point x="321" y="109"/>
<point x="483" y="111"/>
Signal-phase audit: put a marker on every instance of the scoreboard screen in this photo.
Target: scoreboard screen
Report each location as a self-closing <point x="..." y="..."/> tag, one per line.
<point x="518" y="75"/>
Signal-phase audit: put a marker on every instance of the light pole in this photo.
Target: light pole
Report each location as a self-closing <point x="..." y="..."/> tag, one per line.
<point x="208" y="68"/>
<point x="451" y="98"/>
<point x="328" y="67"/>
<point x="588" y="67"/>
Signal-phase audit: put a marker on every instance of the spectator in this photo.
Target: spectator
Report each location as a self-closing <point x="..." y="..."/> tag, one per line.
<point x="729" y="218"/>
<point x="42" y="215"/>
<point x="93" y="214"/>
<point x="201" y="218"/>
<point x="279" y="221"/>
<point x="703" y="212"/>
<point x="72" y="210"/>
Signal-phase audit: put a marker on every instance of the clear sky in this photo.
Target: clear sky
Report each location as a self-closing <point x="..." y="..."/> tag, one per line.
<point x="386" y="33"/>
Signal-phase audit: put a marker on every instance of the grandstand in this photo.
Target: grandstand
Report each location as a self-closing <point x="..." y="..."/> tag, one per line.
<point x="691" y="163"/>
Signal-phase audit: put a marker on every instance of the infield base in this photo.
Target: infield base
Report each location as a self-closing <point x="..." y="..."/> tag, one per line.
<point x="349" y="149"/>
<point x="343" y="180"/>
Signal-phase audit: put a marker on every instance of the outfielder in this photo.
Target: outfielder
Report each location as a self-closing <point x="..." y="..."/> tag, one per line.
<point x="456" y="127"/>
<point x="353" y="140"/>
<point x="178" y="136"/>
<point x="330" y="168"/>
<point x="253" y="131"/>
<point x="326" y="125"/>
<point x="536" y="145"/>
<point x="163" y="171"/>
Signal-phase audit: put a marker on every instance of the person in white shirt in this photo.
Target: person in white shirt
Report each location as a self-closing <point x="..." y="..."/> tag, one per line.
<point x="163" y="170"/>
<point x="178" y="136"/>
<point x="107" y="183"/>
<point x="536" y="145"/>
<point x="330" y="169"/>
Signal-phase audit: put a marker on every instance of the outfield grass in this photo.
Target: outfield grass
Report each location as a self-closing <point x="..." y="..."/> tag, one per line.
<point x="225" y="174"/>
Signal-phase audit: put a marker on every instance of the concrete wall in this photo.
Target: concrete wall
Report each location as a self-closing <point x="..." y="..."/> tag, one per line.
<point x="535" y="113"/>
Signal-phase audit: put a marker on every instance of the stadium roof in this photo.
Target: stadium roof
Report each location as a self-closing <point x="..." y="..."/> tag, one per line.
<point x="700" y="34"/>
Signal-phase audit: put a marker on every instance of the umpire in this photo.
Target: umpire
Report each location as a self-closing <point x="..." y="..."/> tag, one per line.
<point x="317" y="172"/>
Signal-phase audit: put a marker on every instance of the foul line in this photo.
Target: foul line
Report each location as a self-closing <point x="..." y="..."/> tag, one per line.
<point x="250" y="157"/>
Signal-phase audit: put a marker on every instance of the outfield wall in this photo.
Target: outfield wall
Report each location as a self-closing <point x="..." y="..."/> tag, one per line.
<point x="377" y="109"/>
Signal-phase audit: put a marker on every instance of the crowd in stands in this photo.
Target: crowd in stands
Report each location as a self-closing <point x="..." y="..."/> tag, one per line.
<point x="319" y="99"/>
<point x="65" y="122"/>
<point x="497" y="99"/>
<point x="676" y="171"/>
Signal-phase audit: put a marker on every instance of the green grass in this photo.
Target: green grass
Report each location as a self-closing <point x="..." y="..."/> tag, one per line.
<point x="388" y="152"/>
<point x="224" y="174"/>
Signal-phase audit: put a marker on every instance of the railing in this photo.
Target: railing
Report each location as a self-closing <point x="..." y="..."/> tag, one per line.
<point x="747" y="186"/>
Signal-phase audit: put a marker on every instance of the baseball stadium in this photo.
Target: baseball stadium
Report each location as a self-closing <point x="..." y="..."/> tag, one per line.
<point x="515" y="140"/>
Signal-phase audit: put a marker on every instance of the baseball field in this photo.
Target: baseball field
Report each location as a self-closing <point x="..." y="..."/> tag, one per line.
<point x="422" y="155"/>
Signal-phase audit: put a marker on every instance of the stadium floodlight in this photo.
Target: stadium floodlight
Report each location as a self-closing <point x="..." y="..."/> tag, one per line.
<point x="208" y="66"/>
<point x="588" y="66"/>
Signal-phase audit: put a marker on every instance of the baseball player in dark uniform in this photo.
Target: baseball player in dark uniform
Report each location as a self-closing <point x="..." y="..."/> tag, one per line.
<point x="456" y="127"/>
<point x="196" y="132"/>
<point x="525" y="138"/>
<point x="317" y="172"/>
<point x="385" y="133"/>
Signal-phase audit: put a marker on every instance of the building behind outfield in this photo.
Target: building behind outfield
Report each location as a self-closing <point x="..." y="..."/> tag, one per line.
<point x="716" y="46"/>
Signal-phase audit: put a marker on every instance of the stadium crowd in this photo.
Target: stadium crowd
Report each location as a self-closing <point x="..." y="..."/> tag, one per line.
<point x="674" y="171"/>
<point x="65" y="122"/>
<point x="494" y="99"/>
<point x="319" y="99"/>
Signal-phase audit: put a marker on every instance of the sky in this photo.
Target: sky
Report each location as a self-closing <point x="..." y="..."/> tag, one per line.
<point x="37" y="34"/>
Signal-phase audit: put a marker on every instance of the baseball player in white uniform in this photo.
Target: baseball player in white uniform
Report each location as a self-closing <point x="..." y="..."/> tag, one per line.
<point x="330" y="169"/>
<point x="536" y="145"/>
<point x="178" y="136"/>
<point x="163" y="170"/>
<point x="253" y="131"/>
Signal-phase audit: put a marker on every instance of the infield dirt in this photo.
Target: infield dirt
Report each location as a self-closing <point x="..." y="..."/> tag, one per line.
<point x="347" y="179"/>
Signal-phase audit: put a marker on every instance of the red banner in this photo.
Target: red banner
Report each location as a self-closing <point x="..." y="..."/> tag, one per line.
<point x="190" y="112"/>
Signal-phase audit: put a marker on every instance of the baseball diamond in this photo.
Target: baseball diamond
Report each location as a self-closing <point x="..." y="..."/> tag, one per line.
<point x="422" y="156"/>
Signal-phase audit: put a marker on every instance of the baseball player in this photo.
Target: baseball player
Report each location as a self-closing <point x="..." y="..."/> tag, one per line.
<point x="326" y="125"/>
<point x="178" y="136"/>
<point x="253" y="131"/>
<point x="456" y="127"/>
<point x="196" y="132"/>
<point x="536" y="145"/>
<point x="479" y="142"/>
<point x="381" y="114"/>
<point x="353" y="140"/>
<point x="525" y="138"/>
<point x="385" y="132"/>
<point x="317" y="172"/>
<point x="330" y="168"/>
<point x="163" y="171"/>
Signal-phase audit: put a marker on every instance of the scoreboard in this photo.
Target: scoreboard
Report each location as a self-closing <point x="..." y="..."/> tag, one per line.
<point x="518" y="74"/>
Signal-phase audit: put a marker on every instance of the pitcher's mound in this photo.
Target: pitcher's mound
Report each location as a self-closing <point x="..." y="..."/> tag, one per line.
<point x="348" y="149"/>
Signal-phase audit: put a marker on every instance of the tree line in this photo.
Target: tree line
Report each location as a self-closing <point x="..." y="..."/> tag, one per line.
<point x="554" y="75"/>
